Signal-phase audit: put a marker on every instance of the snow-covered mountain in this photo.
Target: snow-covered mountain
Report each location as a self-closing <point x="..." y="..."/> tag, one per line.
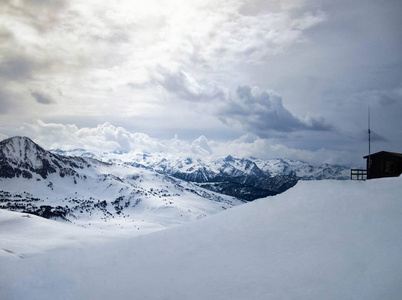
<point x="204" y="169"/>
<point x="244" y="178"/>
<point x="303" y="170"/>
<point x="239" y="178"/>
<point x="247" y="179"/>
<point x="20" y="156"/>
<point x="89" y="192"/>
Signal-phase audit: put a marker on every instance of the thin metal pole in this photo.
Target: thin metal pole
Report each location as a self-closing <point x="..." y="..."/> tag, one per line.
<point x="369" y="139"/>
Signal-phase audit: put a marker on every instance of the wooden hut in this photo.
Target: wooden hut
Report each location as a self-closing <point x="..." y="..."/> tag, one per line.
<point x="384" y="164"/>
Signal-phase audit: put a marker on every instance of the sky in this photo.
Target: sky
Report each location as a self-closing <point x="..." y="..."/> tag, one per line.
<point x="269" y="79"/>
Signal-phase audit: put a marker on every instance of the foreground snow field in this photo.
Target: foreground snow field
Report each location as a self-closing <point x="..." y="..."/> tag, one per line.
<point x="318" y="240"/>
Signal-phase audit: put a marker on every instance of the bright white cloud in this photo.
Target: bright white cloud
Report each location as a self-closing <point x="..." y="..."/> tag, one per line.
<point x="107" y="138"/>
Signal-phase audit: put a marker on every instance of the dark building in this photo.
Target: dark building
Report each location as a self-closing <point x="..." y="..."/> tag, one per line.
<point x="384" y="164"/>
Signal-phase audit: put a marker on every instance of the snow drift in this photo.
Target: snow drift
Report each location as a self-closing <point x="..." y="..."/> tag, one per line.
<point x="318" y="240"/>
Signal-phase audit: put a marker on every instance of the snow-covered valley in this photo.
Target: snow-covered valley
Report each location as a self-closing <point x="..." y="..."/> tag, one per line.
<point x="318" y="240"/>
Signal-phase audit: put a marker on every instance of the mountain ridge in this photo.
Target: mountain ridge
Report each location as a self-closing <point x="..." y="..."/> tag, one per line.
<point x="246" y="178"/>
<point x="175" y="163"/>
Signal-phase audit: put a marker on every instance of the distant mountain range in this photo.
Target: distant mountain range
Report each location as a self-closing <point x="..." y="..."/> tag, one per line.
<point x="86" y="188"/>
<point x="244" y="178"/>
<point x="191" y="165"/>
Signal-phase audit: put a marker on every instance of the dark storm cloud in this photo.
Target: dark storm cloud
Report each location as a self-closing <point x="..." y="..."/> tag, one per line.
<point x="263" y="113"/>
<point x="42" y="98"/>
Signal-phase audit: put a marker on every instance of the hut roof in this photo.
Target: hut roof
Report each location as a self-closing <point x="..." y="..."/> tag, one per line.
<point x="384" y="152"/>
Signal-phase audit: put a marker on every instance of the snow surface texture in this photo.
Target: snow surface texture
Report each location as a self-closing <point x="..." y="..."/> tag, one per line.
<point x="318" y="240"/>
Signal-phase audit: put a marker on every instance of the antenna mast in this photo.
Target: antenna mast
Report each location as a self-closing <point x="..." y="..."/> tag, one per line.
<point x="369" y="140"/>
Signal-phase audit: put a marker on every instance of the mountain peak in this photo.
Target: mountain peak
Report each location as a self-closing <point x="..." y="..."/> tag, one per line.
<point x="20" y="149"/>
<point x="229" y="158"/>
<point x="21" y="156"/>
<point x="17" y="139"/>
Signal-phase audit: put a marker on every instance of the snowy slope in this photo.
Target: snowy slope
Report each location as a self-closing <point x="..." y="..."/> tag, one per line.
<point x="318" y="240"/>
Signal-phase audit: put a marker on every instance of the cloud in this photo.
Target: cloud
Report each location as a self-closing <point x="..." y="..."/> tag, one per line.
<point x="6" y="105"/>
<point x="201" y="145"/>
<point x="42" y="98"/>
<point x="107" y="137"/>
<point x="113" y="46"/>
<point x="223" y="34"/>
<point x="104" y="137"/>
<point x="166" y="67"/>
<point x="16" y="68"/>
<point x="249" y="109"/>
<point x="41" y="14"/>
<point x="185" y="87"/>
<point x="262" y="112"/>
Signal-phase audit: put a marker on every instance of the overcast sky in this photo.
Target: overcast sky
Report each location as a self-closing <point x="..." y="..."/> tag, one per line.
<point x="256" y="78"/>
